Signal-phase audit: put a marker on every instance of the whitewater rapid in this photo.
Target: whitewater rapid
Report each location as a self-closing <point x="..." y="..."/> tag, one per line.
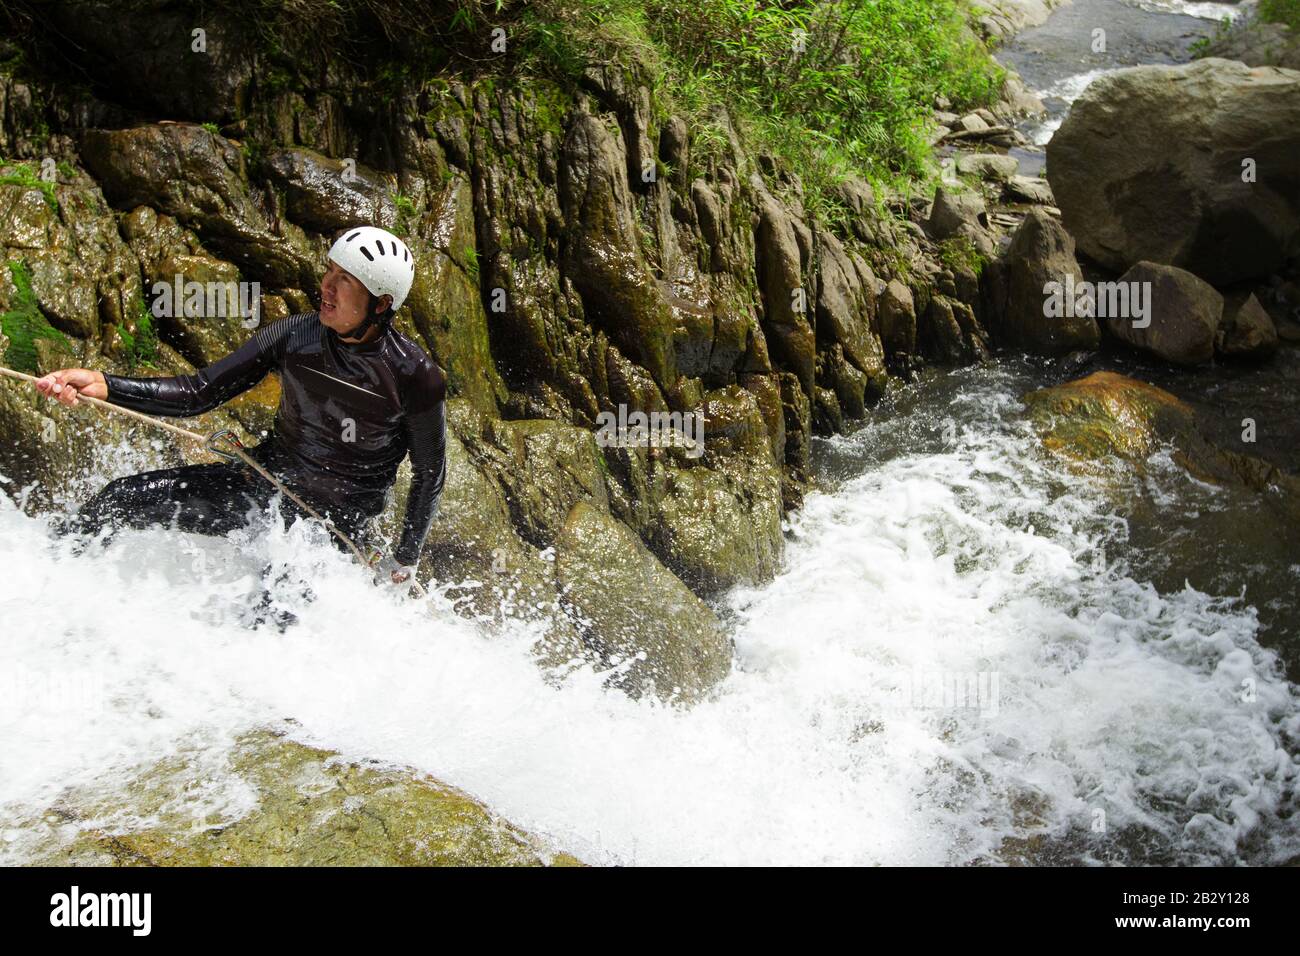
<point x="937" y="553"/>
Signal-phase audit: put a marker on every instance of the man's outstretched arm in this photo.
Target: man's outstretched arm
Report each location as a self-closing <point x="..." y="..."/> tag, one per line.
<point x="426" y="440"/>
<point x="183" y="395"/>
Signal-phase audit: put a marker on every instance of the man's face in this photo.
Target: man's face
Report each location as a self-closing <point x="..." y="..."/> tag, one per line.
<point x="343" y="300"/>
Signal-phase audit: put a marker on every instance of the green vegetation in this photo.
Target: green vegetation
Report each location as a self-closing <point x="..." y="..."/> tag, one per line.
<point x="1281" y="11"/>
<point x="405" y="213"/>
<point x="212" y="128"/>
<point x="18" y="173"/>
<point x="471" y="263"/>
<point x="141" y="347"/>
<point x="831" y="87"/>
<point x="960" y="253"/>
<point x="24" y="324"/>
<point x="825" y="84"/>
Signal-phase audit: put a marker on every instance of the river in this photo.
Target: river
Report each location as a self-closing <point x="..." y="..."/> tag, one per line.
<point x="972" y="655"/>
<point x="1059" y="59"/>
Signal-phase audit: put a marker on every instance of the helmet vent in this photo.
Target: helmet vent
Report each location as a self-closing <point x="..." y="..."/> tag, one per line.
<point x="366" y="252"/>
<point x="380" y="246"/>
<point x="353" y="236"/>
<point x="406" y="256"/>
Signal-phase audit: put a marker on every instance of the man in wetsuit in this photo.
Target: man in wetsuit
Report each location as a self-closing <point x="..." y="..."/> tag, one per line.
<point x="356" y="397"/>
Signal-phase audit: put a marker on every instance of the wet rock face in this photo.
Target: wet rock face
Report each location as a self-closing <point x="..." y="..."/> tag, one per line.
<point x="83" y="276"/>
<point x="604" y="254"/>
<point x="1192" y="166"/>
<point x="166" y="251"/>
<point x="634" y="612"/>
<point x="327" y="194"/>
<point x="199" y="178"/>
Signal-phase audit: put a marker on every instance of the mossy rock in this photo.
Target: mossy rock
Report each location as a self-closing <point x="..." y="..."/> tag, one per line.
<point x="1110" y="414"/>
<point x="312" y="808"/>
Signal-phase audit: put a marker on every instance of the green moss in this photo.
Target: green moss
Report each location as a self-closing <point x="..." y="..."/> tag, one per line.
<point x="19" y="173"/>
<point x="141" y="346"/>
<point x="960" y="253"/>
<point x="26" y="323"/>
<point x="405" y="213"/>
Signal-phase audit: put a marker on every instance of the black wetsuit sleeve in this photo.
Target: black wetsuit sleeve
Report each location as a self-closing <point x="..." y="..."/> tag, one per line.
<point x="183" y="395"/>
<point x="425" y="424"/>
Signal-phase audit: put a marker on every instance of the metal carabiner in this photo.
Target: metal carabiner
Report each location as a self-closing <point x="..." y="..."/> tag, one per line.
<point x="226" y="435"/>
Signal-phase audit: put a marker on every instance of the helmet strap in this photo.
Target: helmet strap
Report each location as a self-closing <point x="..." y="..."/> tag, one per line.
<point x="379" y="320"/>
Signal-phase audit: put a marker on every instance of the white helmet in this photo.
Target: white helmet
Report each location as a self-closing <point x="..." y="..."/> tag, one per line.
<point x="379" y="259"/>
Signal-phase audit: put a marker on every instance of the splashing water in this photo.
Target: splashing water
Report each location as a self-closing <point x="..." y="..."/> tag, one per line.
<point x="1059" y="97"/>
<point x="1190" y="8"/>
<point x="948" y="661"/>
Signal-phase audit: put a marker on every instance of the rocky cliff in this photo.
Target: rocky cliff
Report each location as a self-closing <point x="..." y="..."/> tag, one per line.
<point x="581" y="248"/>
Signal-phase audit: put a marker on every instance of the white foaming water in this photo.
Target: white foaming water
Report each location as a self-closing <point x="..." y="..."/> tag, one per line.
<point x="973" y="558"/>
<point x="1066" y="90"/>
<point x="1191" y="8"/>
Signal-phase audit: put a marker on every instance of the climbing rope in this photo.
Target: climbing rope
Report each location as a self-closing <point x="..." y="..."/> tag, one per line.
<point x="233" y="448"/>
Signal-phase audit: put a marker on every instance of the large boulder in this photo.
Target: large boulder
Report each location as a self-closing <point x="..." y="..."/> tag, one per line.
<point x="995" y="166"/>
<point x="640" y="619"/>
<point x="1258" y="43"/>
<point x="1041" y="253"/>
<point x="309" y="808"/>
<point x="1182" y="314"/>
<point x="961" y="215"/>
<point x="1193" y="166"/>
